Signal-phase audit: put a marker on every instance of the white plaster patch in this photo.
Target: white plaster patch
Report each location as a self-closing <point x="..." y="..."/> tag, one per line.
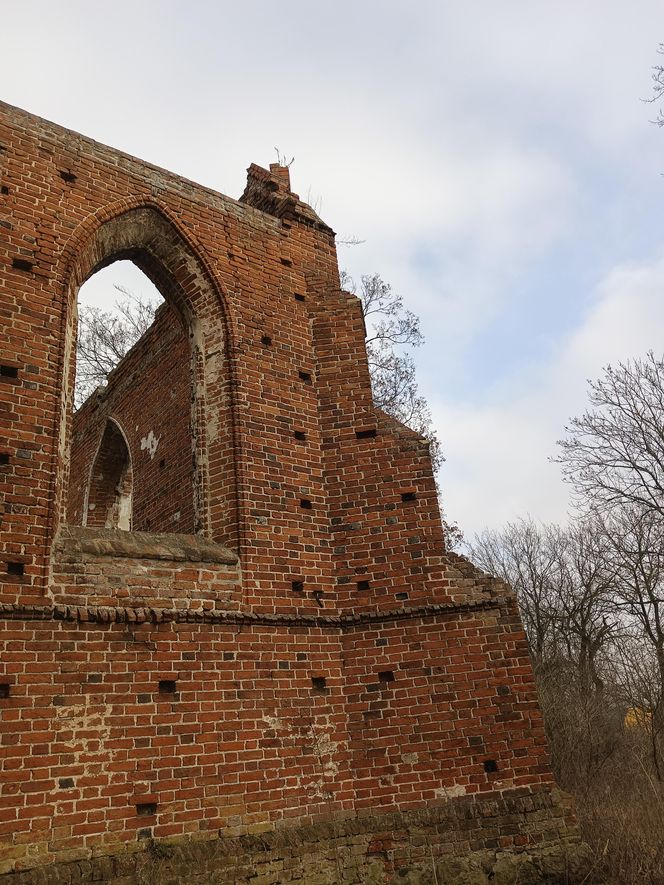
<point x="325" y="748"/>
<point x="410" y="758"/>
<point x="124" y="513"/>
<point x="150" y="443"/>
<point x="450" y="792"/>
<point x="78" y="724"/>
<point x="212" y="426"/>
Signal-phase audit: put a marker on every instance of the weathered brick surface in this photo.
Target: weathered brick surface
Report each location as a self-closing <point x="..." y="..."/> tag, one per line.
<point x="297" y="647"/>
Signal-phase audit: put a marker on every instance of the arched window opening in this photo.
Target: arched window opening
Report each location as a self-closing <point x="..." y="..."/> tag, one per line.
<point x="133" y="370"/>
<point x="115" y="307"/>
<point x="176" y="406"/>
<point x="108" y="503"/>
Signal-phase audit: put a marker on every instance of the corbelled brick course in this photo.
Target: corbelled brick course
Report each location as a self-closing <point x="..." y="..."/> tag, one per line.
<point x="281" y="645"/>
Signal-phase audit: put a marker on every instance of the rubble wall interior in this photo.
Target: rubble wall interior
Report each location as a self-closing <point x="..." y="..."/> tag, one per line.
<point x="148" y="397"/>
<point x="292" y="675"/>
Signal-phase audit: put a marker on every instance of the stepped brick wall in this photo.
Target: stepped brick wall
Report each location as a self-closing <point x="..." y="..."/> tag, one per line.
<point x="252" y="657"/>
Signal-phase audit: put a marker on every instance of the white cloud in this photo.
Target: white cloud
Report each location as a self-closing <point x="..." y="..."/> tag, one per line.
<point x="497" y="467"/>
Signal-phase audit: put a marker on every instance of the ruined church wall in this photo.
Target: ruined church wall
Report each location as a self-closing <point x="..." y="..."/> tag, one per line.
<point x="226" y="685"/>
<point x="280" y="359"/>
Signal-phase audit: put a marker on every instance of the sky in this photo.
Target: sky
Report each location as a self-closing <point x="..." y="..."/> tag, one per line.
<point x="497" y="160"/>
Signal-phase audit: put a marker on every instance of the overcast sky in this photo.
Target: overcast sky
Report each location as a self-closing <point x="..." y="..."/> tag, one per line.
<point x="497" y="159"/>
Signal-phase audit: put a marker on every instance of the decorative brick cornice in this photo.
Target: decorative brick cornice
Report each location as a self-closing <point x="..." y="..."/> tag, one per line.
<point x="130" y="615"/>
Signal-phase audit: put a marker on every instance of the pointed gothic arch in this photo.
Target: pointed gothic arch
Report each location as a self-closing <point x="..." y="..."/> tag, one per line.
<point x="110" y="484"/>
<point x="145" y="235"/>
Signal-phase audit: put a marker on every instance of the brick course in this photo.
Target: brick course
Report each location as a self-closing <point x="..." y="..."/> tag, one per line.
<point x="257" y="663"/>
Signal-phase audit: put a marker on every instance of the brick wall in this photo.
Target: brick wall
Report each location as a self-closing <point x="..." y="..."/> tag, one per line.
<point x="297" y="646"/>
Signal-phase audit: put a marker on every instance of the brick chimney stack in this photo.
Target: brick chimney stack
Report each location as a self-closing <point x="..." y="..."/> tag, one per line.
<point x="282" y="174"/>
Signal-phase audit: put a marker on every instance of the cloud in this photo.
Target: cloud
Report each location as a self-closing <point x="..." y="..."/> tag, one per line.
<point x="497" y="455"/>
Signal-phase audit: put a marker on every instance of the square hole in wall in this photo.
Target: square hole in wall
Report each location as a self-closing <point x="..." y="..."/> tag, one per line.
<point x="145" y="809"/>
<point x="4" y="689"/>
<point x="299" y="435"/>
<point x="305" y="504"/>
<point x="22" y="264"/>
<point x="369" y="433"/>
<point x="406" y="497"/>
<point x="319" y="684"/>
<point x="266" y="340"/>
<point x="363" y="585"/>
<point x="490" y="765"/>
<point x="386" y="676"/>
<point x="298" y="586"/>
<point x="4" y="458"/>
<point x="305" y="376"/>
<point x="8" y="371"/>
<point x="298" y="296"/>
<point x="167" y="686"/>
<point x="15" y="568"/>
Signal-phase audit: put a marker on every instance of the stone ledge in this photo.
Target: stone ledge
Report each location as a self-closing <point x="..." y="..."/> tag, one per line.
<point x="77" y="540"/>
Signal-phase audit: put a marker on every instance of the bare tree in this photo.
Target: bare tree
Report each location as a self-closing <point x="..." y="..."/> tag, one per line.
<point x="638" y="674"/>
<point x="522" y="555"/>
<point x="592" y="599"/>
<point x="563" y="585"/>
<point x="586" y="583"/>
<point x="106" y="336"/>
<point x="563" y="589"/>
<point x="614" y="453"/>
<point x="657" y="77"/>
<point x="391" y="329"/>
<point x="614" y="457"/>
<point x="635" y="546"/>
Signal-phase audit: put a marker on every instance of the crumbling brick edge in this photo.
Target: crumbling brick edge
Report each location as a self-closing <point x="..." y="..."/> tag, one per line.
<point x="454" y="841"/>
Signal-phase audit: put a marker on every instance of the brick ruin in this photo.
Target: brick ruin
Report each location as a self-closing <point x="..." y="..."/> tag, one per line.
<point x="232" y="645"/>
